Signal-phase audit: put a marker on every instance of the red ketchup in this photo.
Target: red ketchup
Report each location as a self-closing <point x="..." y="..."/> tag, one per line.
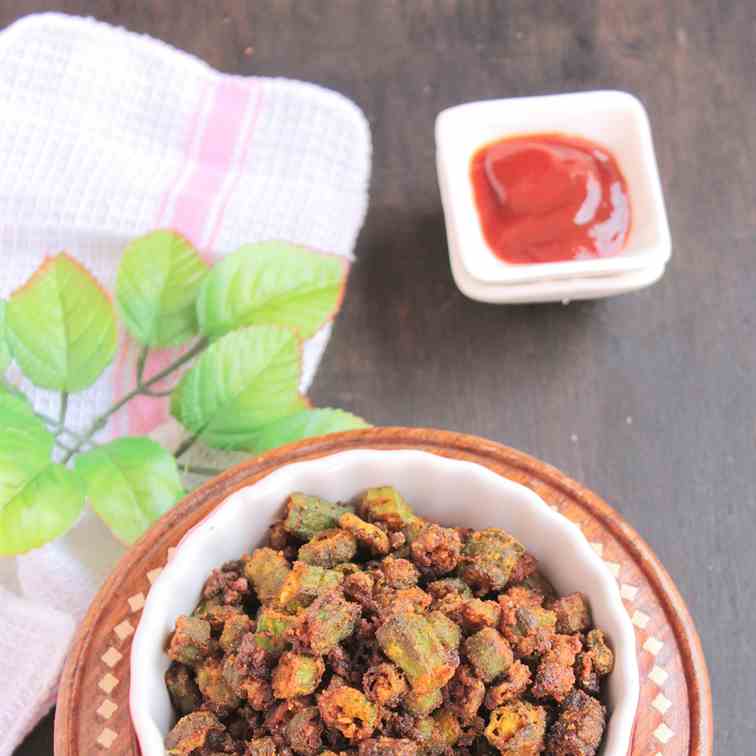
<point x="550" y="197"/>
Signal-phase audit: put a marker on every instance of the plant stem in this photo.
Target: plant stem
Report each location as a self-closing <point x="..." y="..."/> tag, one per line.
<point x="141" y="360"/>
<point x="157" y="394"/>
<point x="53" y="423"/>
<point x="100" y="422"/>
<point x="185" y="445"/>
<point x="62" y="446"/>
<point x="63" y="409"/>
<point x="199" y="470"/>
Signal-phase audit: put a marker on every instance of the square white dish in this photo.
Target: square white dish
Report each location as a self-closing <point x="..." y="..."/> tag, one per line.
<point x="615" y="120"/>
<point x="436" y="487"/>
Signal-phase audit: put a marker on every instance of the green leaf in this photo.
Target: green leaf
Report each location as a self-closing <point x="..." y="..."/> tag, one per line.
<point x="243" y="381"/>
<point x="61" y="326"/>
<point x="39" y="499"/>
<point x="271" y="283"/>
<point x="5" y="355"/>
<point x="305" y="424"/>
<point x="130" y="483"/>
<point x="156" y="289"/>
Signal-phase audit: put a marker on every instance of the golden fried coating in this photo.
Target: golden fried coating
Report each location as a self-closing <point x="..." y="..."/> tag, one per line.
<point x="190" y="643"/>
<point x="488" y="559"/>
<point x="579" y="728"/>
<point x="297" y="675"/>
<point x="266" y="570"/>
<point x="436" y="550"/>
<point x="527" y="626"/>
<point x="369" y="535"/>
<point x="409" y="640"/>
<point x="572" y="614"/>
<point x="555" y="677"/>
<point x="183" y="690"/>
<point x="595" y="662"/>
<point x="384" y="684"/>
<point x="513" y="684"/>
<point x="489" y="653"/>
<point x="329" y="548"/>
<point x="464" y="693"/>
<point x="517" y="729"/>
<point x="218" y="694"/>
<point x="347" y="710"/>
<point x="191" y="732"/>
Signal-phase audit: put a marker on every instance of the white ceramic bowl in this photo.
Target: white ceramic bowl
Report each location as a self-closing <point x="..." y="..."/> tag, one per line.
<point x="616" y="120"/>
<point x="450" y="491"/>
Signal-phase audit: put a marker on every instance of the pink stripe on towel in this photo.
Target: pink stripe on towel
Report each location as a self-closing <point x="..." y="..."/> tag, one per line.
<point x="218" y="137"/>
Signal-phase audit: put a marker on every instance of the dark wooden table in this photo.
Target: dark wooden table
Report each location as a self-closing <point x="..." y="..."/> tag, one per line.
<point x="648" y="398"/>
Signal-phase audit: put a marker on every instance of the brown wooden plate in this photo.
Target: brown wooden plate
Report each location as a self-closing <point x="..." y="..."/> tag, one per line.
<point x="675" y="717"/>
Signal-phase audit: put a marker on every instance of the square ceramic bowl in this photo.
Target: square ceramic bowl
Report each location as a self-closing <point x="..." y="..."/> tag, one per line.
<point x="615" y="120"/>
<point x="452" y="492"/>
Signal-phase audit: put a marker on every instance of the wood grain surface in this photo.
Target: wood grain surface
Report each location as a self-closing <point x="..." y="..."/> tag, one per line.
<point x="675" y="717"/>
<point x="649" y="398"/>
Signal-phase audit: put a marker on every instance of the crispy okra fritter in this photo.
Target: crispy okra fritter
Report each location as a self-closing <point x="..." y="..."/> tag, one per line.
<point x="365" y="629"/>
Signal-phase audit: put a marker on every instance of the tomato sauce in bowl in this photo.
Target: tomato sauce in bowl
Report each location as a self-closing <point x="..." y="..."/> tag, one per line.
<point x="549" y="198"/>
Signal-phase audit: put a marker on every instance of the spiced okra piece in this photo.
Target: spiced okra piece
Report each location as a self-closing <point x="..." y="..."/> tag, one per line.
<point x="371" y="536"/>
<point x="410" y="641"/>
<point x="464" y="693"/>
<point x="384" y="684"/>
<point x="304" y="730"/>
<point x="596" y="661"/>
<point x="297" y="675"/>
<point x="555" y="676"/>
<point x="272" y="627"/>
<point x="218" y="694"/>
<point x="448" y="631"/>
<point x="307" y="516"/>
<point x="488" y="559"/>
<point x="436" y="550"/>
<point x="266" y="570"/>
<point x="386" y="505"/>
<point x="191" y="732"/>
<point x="329" y="548"/>
<point x="347" y="710"/>
<point x="489" y="653"/>
<point x="517" y="729"/>
<point x="573" y="614"/>
<point x="325" y="623"/>
<point x="234" y="629"/>
<point x="513" y="685"/>
<point x="422" y="704"/>
<point x="579" y="728"/>
<point x="191" y="641"/>
<point x="183" y="690"/>
<point x="448" y="585"/>
<point x="303" y="584"/>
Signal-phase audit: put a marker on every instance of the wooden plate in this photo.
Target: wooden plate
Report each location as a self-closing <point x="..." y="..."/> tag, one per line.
<point x="675" y="715"/>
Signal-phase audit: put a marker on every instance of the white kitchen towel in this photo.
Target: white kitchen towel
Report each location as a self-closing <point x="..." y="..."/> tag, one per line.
<point x="106" y="135"/>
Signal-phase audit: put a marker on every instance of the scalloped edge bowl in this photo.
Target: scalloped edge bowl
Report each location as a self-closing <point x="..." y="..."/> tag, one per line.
<point x="453" y="492"/>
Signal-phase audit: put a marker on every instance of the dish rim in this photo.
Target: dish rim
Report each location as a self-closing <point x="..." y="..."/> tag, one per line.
<point x="623" y="717"/>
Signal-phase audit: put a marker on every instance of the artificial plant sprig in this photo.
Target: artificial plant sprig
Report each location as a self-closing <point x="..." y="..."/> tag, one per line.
<point x="240" y="323"/>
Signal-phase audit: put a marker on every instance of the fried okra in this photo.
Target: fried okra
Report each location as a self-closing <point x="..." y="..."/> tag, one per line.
<point x="488" y="558"/>
<point x="410" y="641"/>
<point x="329" y="548"/>
<point x="297" y="675"/>
<point x="367" y="630"/>
<point x="517" y="729"/>
<point x="579" y="728"/>
<point x="192" y="732"/>
<point x="347" y="710"/>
